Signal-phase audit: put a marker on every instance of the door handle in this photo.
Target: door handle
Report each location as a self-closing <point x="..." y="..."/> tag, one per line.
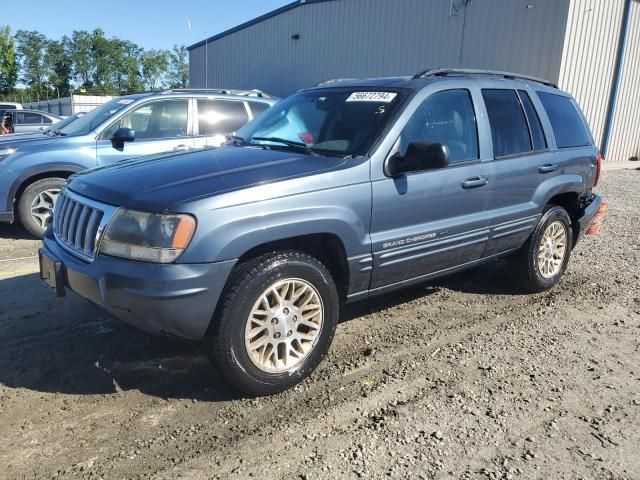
<point x="181" y="148"/>
<point x="548" y="168"/>
<point x="475" y="182"/>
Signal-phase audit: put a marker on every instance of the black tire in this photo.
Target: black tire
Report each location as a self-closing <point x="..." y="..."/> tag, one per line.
<point x="524" y="265"/>
<point x="30" y="193"/>
<point x="225" y="342"/>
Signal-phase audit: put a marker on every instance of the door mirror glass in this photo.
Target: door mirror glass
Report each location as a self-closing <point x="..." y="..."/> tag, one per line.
<point x="121" y="136"/>
<point x="419" y="156"/>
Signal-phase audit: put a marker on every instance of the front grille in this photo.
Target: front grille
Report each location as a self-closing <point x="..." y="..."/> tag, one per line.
<point x="76" y="225"/>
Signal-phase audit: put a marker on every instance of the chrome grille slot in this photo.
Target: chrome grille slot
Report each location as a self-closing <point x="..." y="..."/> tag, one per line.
<point x="76" y="225"/>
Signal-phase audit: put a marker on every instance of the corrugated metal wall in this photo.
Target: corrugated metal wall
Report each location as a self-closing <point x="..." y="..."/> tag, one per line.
<point x="625" y="136"/>
<point x="360" y="38"/>
<point x="572" y="42"/>
<point x="589" y="56"/>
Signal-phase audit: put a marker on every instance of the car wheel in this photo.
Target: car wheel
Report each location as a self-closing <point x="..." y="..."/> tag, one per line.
<point x="276" y="322"/>
<point x="36" y="204"/>
<point x="542" y="260"/>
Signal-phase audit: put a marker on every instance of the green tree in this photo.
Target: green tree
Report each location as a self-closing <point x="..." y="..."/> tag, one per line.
<point x="81" y="57"/>
<point x="127" y="68"/>
<point x="59" y="66"/>
<point x="154" y="66"/>
<point x="103" y="55"/>
<point x="8" y="61"/>
<point x="178" y="68"/>
<point x="31" y="50"/>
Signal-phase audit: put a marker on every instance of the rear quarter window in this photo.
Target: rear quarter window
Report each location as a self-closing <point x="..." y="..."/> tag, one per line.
<point x="568" y="127"/>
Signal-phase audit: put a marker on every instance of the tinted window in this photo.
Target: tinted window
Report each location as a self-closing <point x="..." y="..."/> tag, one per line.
<point x="156" y="120"/>
<point x="28" y="117"/>
<point x="509" y="129"/>
<point x="568" y="127"/>
<point x="448" y="118"/>
<point x="537" y="135"/>
<point x="7" y="106"/>
<point x="46" y="119"/>
<point x="220" y="116"/>
<point x="258" y="107"/>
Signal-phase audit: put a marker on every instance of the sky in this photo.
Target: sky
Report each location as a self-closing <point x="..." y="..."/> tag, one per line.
<point x="150" y="24"/>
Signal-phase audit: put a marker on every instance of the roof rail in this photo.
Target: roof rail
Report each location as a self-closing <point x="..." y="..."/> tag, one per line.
<point x="443" y="72"/>
<point x="333" y="80"/>
<point x="224" y="91"/>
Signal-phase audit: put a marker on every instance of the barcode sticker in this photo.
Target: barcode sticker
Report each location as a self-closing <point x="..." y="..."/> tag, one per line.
<point x="384" y="97"/>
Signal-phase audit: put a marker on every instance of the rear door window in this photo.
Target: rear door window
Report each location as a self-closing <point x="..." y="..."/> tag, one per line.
<point x="537" y="134"/>
<point x="509" y="129"/>
<point x="28" y="117"/>
<point x="568" y="127"/>
<point x="221" y="116"/>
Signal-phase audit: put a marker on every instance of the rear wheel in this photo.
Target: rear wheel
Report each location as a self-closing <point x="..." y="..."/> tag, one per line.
<point x="36" y="204"/>
<point x="542" y="260"/>
<point x="276" y="323"/>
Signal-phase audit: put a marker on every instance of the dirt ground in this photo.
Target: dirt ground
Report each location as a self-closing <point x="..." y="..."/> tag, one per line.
<point x="462" y="378"/>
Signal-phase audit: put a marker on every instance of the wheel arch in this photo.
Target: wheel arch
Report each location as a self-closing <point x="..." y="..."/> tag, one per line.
<point x="50" y="171"/>
<point x="326" y="247"/>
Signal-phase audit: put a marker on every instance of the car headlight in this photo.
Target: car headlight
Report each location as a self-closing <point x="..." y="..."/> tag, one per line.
<point x="148" y="237"/>
<point x="4" y="153"/>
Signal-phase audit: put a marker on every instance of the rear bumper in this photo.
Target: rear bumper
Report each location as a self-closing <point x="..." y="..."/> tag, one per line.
<point x="587" y="216"/>
<point x="174" y="299"/>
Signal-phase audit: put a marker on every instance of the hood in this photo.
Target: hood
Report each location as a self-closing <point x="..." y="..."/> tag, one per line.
<point x="157" y="182"/>
<point x="17" y="140"/>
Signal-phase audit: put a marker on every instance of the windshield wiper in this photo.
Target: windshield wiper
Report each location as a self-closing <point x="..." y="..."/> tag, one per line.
<point x="289" y="143"/>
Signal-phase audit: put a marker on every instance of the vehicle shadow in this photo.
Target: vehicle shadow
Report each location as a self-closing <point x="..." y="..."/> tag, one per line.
<point x="14" y="231"/>
<point x="69" y="346"/>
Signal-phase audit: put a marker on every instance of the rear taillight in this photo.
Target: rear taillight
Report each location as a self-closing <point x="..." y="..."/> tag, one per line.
<point x="598" y="168"/>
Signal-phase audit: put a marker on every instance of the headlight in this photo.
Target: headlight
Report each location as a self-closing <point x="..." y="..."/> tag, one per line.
<point x="148" y="237"/>
<point x="4" y="153"/>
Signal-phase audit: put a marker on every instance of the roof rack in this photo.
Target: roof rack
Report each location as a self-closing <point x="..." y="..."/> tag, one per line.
<point x="443" y="72"/>
<point x="223" y="91"/>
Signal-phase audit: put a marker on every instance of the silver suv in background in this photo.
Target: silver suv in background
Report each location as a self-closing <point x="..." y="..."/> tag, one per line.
<point x="27" y="121"/>
<point x="34" y="169"/>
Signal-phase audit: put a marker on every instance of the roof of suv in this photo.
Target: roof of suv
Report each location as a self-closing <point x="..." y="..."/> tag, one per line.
<point x="418" y="80"/>
<point x="253" y="95"/>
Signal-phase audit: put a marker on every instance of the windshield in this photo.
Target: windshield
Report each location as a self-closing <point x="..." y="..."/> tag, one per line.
<point x="63" y="123"/>
<point x="332" y="122"/>
<point x="88" y="122"/>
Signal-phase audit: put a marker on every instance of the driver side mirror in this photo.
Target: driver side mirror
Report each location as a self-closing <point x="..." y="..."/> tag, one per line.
<point x="122" y="135"/>
<point x="418" y="157"/>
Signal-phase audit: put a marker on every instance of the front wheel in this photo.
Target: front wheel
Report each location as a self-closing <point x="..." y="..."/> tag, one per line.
<point x="542" y="260"/>
<point x="36" y="204"/>
<point x="276" y="323"/>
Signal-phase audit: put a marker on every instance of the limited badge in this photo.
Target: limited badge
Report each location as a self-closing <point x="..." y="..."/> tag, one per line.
<point x="384" y="97"/>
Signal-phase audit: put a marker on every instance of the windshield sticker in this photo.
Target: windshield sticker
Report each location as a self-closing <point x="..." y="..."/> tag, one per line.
<point x="125" y="101"/>
<point x="384" y="97"/>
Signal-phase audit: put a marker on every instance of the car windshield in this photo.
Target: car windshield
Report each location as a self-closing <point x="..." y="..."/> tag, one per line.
<point x="60" y="124"/>
<point x="95" y="117"/>
<point x="337" y="121"/>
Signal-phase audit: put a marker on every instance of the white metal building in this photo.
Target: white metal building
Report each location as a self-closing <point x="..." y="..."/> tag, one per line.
<point x="591" y="48"/>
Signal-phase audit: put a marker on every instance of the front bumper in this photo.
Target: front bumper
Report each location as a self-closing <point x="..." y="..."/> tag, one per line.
<point x="582" y="224"/>
<point x="174" y="299"/>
